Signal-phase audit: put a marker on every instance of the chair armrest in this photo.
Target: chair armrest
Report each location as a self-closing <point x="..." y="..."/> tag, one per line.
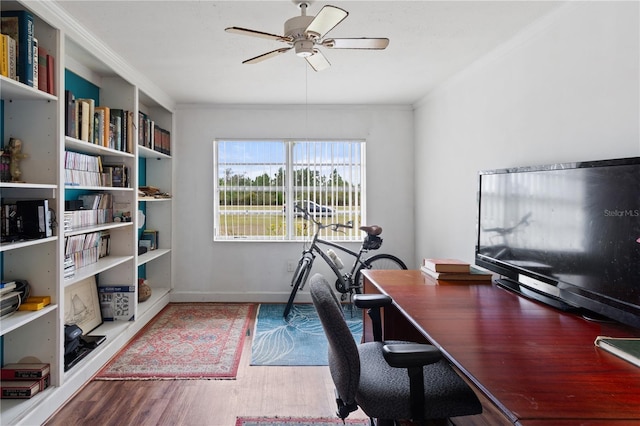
<point x="407" y="355"/>
<point x="413" y="357"/>
<point x="373" y="303"/>
<point x="368" y="301"/>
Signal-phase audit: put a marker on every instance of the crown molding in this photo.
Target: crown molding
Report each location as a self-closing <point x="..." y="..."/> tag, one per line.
<point x="59" y="18"/>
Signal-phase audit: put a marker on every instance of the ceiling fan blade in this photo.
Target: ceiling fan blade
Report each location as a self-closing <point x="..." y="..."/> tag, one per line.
<point x="356" y="43"/>
<point x="318" y="61"/>
<point x="325" y="21"/>
<point x="254" y="33"/>
<point x="267" y="55"/>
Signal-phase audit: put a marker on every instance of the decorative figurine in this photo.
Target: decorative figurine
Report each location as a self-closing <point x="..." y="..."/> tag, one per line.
<point x="144" y="290"/>
<point x="15" y="150"/>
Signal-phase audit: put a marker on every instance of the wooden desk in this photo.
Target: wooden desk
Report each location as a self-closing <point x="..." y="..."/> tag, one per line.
<point x="532" y="364"/>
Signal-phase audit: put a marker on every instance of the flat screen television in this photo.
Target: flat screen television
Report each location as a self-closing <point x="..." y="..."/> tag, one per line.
<point x="565" y="234"/>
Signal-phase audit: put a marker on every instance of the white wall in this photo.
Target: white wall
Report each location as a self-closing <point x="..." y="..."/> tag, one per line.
<point x="565" y="89"/>
<point x="256" y="272"/>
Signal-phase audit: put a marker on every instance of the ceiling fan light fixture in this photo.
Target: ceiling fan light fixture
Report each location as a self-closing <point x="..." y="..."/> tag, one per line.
<point x="303" y="48"/>
<point x="304" y="34"/>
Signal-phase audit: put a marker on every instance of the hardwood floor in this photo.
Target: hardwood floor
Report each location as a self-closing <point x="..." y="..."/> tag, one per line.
<point x="257" y="391"/>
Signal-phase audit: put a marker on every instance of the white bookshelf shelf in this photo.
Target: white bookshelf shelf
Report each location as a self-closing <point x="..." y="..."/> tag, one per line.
<point x="90" y="148"/>
<point x="104" y="264"/>
<point x="19" y="318"/>
<point x="26" y="243"/>
<point x="152" y="255"/>
<point x="97" y="228"/>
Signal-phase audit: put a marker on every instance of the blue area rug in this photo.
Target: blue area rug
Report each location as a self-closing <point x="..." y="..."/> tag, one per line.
<point x="300" y="340"/>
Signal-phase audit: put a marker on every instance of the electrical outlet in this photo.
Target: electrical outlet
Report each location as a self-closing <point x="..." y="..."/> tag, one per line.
<point x="291" y="266"/>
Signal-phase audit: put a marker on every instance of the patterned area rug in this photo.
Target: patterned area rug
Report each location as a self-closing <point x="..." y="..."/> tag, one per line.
<point x="298" y="341"/>
<point x="296" y="421"/>
<point x="185" y="341"/>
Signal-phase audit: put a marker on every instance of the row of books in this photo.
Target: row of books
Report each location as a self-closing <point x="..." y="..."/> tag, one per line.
<point x="153" y="136"/>
<point x="76" y="219"/>
<point x="453" y="270"/>
<point x="82" y="162"/>
<point x="21" y="57"/>
<point x="88" y="170"/>
<point x="100" y="125"/>
<point x="23" y="380"/>
<point x="11" y="222"/>
<point x="78" y="259"/>
<point x="82" y="242"/>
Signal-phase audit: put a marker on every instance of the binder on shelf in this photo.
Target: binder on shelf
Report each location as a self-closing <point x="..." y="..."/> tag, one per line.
<point x="36" y="218"/>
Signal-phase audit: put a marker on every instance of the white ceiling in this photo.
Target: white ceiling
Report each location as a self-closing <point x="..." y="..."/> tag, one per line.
<point x="182" y="47"/>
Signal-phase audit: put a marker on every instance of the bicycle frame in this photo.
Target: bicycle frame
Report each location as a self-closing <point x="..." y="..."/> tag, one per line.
<point x="314" y="250"/>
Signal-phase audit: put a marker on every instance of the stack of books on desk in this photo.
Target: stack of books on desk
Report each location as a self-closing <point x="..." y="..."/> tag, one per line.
<point x="453" y="270"/>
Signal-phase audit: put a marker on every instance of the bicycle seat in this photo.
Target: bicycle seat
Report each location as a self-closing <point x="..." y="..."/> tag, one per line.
<point x="372" y="229"/>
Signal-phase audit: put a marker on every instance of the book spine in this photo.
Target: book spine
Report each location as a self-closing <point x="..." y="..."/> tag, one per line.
<point x="51" y="75"/>
<point x="84" y="119"/>
<point x="70" y="114"/>
<point x="18" y="374"/>
<point x="18" y="393"/>
<point x="34" y="64"/>
<point x="13" y="66"/>
<point x="4" y="59"/>
<point x="43" y="72"/>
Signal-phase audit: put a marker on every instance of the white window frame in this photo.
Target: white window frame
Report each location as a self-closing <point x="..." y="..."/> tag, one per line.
<point x="349" y="208"/>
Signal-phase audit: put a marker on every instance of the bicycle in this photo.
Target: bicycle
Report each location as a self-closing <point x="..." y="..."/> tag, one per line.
<point x="349" y="282"/>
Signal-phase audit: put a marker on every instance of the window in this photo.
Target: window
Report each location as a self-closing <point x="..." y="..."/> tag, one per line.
<point x="256" y="182"/>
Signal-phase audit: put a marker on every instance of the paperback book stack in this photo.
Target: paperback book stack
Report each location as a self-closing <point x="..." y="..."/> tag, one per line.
<point x="10" y="297"/>
<point x="453" y="270"/>
<point x="84" y="249"/>
<point x="23" y="380"/>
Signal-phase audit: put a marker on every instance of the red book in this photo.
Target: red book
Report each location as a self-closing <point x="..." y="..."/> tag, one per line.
<point x="42" y="70"/>
<point x="22" y="371"/>
<point x="51" y="74"/>
<point x="447" y="265"/>
<point x="19" y="388"/>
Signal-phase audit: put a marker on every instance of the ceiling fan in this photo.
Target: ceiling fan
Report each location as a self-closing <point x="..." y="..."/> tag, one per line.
<point x="305" y="34"/>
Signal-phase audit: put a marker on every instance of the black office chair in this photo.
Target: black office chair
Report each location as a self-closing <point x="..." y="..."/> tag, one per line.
<point x="392" y="380"/>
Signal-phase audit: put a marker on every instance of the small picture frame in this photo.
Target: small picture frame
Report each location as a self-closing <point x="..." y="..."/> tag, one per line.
<point x="152" y="236"/>
<point x="82" y="306"/>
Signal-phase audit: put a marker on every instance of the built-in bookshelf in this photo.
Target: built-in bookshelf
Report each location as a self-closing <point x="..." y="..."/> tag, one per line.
<point x="31" y="115"/>
<point x="155" y="171"/>
<point x="38" y="118"/>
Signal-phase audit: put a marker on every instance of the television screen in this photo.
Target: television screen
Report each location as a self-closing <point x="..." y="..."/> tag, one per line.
<point x="567" y="232"/>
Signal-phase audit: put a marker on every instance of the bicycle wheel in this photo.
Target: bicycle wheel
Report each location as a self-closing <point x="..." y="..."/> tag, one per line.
<point x="299" y="277"/>
<point x="379" y="261"/>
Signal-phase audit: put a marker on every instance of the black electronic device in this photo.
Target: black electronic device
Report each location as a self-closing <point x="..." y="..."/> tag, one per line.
<point x="77" y="346"/>
<point x="71" y="205"/>
<point x="72" y="335"/>
<point x="566" y="234"/>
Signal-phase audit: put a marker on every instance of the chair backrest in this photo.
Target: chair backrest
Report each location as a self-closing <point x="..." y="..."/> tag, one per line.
<point x="344" y="361"/>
